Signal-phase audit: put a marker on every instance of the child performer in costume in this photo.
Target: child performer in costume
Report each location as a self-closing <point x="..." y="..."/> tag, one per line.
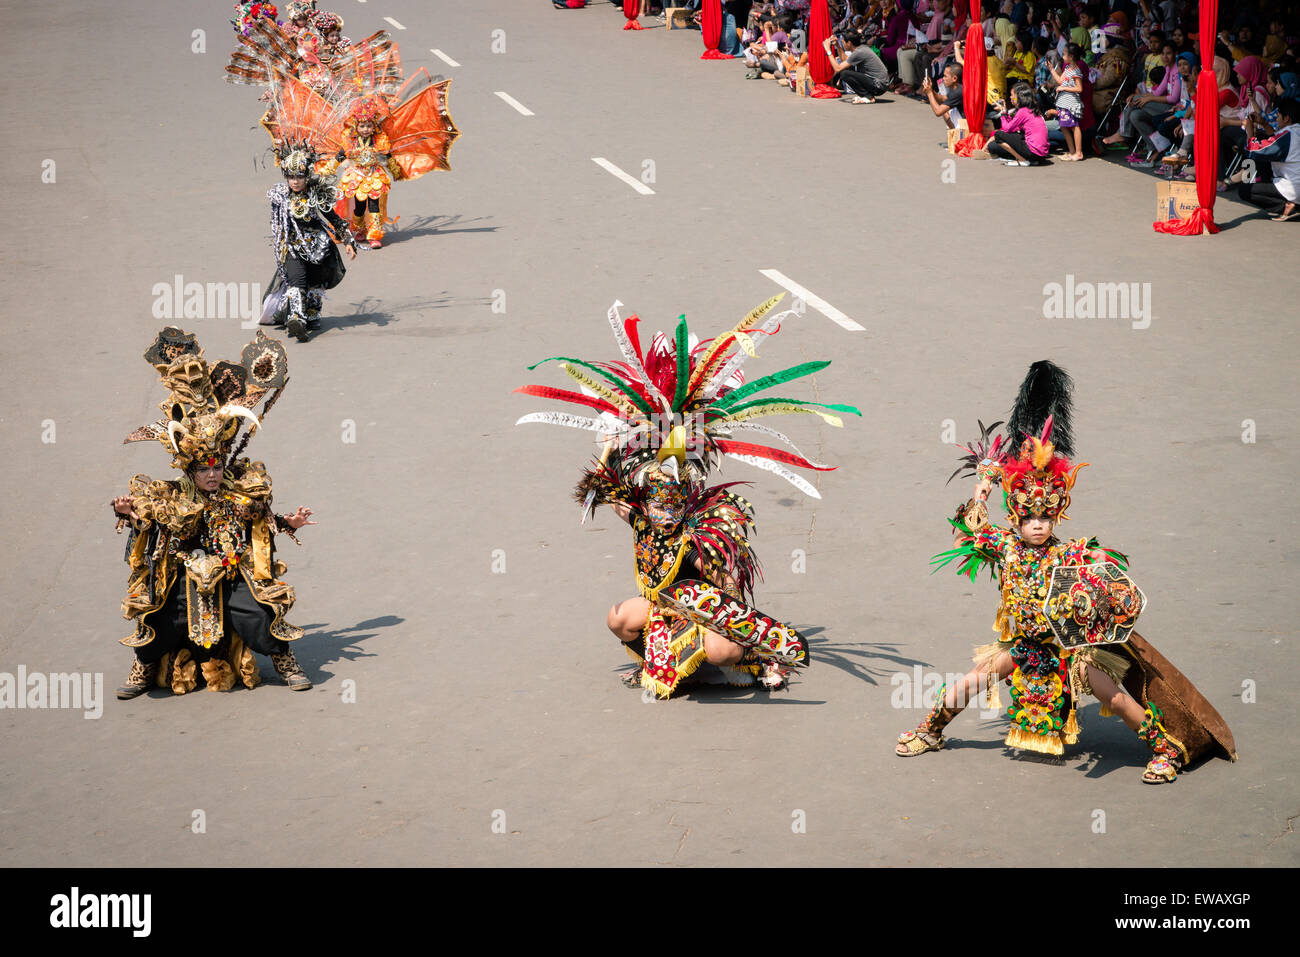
<point x="370" y="174"/>
<point x="307" y="262"/>
<point x="388" y="138"/>
<point x="668" y="414"/>
<point x="1067" y="612"/>
<point x="205" y="589"/>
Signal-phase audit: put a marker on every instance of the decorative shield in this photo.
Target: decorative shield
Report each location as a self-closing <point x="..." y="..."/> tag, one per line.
<point x="710" y="606"/>
<point x="1092" y="605"/>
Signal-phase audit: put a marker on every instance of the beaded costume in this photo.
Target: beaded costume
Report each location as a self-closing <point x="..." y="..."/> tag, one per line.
<point x="205" y="588"/>
<point x="668" y="414"/>
<point x="1065" y="606"/>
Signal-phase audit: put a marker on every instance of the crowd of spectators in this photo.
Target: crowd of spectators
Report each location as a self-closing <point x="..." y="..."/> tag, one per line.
<point x="1077" y="79"/>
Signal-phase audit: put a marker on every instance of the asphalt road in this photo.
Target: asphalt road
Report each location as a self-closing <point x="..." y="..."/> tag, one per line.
<point x="449" y="584"/>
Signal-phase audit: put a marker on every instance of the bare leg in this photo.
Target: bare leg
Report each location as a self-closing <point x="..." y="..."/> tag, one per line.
<point x="928" y="736"/>
<point x="1166" y="757"/>
<point x="721" y="651"/>
<point x="1115" y="698"/>
<point x="627" y="619"/>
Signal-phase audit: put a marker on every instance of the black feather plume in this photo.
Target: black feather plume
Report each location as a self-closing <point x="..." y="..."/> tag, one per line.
<point x="1046" y="391"/>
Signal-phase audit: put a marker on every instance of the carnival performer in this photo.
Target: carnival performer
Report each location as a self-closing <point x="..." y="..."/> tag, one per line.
<point x="297" y="18"/>
<point x="385" y="139"/>
<point x="205" y="588"/>
<point x="307" y="262"/>
<point x="668" y="414"/>
<point x="1065" y="621"/>
<point x="371" y="169"/>
<point x="246" y="14"/>
<point x="329" y="27"/>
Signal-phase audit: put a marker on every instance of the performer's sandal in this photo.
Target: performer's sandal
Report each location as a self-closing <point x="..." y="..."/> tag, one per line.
<point x="292" y="673"/>
<point x="773" y="677"/>
<point x="139" y="681"/>
<point x="1160" y="770"/>
<point x="912" y="743"/>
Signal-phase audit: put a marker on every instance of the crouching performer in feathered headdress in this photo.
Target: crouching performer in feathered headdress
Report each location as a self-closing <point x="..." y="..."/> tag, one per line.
<point x="668" y="414"/>
<point x="1065" y="622"/>
<point x="205" y="588"/>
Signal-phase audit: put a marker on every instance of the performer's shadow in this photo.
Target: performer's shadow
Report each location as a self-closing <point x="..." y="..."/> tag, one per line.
<point x="436" y="226"/>
<point x="367" y="313"/>
<point x="856" y="658"/>
<point x="340" y="644"/>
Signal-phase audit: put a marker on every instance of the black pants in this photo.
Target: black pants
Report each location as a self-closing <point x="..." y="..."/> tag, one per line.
<point x="851" y="81"/>
<point x="359" y="206"/>
<point x="1263" y="195"/>
<point x="1014" y="140"/>
<point x="243" y="613"/>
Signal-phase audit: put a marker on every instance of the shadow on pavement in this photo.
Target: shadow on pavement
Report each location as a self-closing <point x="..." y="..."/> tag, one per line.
<point x="340" y="644"/>
<point x="435" y="226"/>
<point x="855" y="658"/>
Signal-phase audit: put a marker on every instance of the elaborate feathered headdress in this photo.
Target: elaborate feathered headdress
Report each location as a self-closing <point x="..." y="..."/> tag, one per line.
<point x="674" y="407"/>
<point x="246" y="14"/>
<point x="298" y="9"/>
<point x="206" y="403"/>
<point x="1032" y="460"/>
<point x="373" y="109"/>
<point x="324" y="22"/>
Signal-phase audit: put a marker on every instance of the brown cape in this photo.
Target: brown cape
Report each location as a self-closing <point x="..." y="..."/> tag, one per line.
<point x="1188" y="717"/>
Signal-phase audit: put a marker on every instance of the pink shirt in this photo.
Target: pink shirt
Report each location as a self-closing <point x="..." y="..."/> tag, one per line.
<point x="1033" y="126"/>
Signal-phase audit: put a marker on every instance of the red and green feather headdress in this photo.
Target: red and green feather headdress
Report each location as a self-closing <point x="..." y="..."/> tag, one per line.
<point x="679" y="400"/>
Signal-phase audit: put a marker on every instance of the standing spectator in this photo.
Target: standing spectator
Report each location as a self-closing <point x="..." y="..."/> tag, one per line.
<point x="1069" y="100"/>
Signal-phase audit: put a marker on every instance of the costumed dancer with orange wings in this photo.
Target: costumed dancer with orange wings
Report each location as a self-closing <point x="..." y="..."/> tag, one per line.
<point x="382" y="143"/>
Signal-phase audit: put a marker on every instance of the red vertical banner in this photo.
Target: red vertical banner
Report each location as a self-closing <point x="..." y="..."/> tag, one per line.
<point x="975" y="74"/>
<point x="632" y="10"/>
<point x="819" y="28"/>
<point x="711" y="29"/>
<point x="1206" y="148"/>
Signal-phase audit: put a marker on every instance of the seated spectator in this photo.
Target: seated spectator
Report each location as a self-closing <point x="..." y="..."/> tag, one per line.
<point x="1276" y="153"/>
<point x="1022" y="140"/>
<point x="949" y="107"/>
<point x="1113" y="67"/>
<point x="860" y="71"/>
<point x="1145" y="110"/>
<point x="1018" y="60"/>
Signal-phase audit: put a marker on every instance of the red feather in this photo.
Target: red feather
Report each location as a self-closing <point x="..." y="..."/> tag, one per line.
<point x="776" y="455"/>
<point x="546" y="392"/>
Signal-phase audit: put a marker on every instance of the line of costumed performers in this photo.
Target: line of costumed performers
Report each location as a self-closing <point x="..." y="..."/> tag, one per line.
<point x="344" y="126"/>
<point x="668" y="415"/>
<point x="1065" y="624"/>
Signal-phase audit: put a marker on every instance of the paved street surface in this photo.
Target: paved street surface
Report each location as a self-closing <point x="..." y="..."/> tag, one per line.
<point x="449" y="582"/>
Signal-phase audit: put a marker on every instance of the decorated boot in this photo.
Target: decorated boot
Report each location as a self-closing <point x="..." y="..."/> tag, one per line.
<point x="140" y="680"/>
<point x="292" y="673"/>
<point x="1167" y="757"/>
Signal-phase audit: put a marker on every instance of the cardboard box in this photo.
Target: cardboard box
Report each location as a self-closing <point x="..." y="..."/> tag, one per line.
<point x="1175" y="200"/>
<point x="677" y="18"/>
<point x="956" y="134"/>
<point x="803" y="82"/>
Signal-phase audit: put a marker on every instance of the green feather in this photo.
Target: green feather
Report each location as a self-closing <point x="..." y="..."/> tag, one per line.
<point x="774" y="401"/>
<point x="623" y="390"/>
<point x="776" y="378"/>
<point x="683" y="363"/>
